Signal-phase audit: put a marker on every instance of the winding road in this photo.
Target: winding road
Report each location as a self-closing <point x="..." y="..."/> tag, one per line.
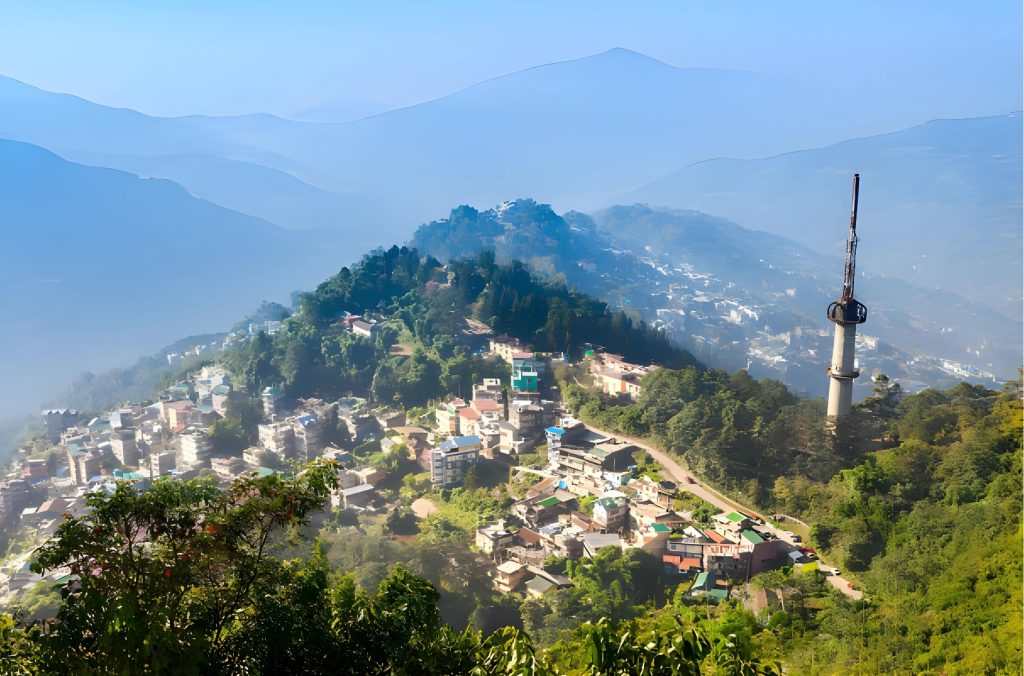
<point x="708" y="494"/>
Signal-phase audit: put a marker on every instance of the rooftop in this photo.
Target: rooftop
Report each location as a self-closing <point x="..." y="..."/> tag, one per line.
<point x="510" y="568"/>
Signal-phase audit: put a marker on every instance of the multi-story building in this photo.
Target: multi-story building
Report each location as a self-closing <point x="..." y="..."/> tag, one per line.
<point x="124" y="447"/>
<point x="525" y="375"/>
<point x="447" y="416"/>
<point x="508" y="576"/>
<point x="489" y="388"/>
<point x="278" y="438"/>
<point x="162" y="463"/>
<point x="57" y="420"/>
<point x="271" y="397"/>
<point x="504" y="347"/>
<point x="450" y="460"/>
<point x="528" y="418"/>
<point x="611" y="513"/>
<point x="194" y="447"/>
<point x="615" y="376"/>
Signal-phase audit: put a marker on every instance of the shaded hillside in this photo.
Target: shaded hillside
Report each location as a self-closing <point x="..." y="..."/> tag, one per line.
<point x="101" y="266"/>
<point x="941" y="203"/>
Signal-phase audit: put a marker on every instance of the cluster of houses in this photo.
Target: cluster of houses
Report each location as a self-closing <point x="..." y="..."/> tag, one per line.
<point x="626" y="510"/>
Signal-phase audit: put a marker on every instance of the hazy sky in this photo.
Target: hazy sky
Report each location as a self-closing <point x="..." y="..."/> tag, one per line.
<point x="173" y="58"/>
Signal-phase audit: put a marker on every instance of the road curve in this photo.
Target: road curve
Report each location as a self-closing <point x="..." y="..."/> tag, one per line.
<point x="723" y="503"/>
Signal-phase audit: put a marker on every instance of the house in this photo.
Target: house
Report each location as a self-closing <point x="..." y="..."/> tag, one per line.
<point x="528" y="418"/>
<point x="370" y="475"/>
<point x="504" y="347"/>
<point x="682" y="565"/>
<point x="508" y="576"/>
<point x="468" y="421"/>
<point x="489" y="409"/>
<point x="493" y="538"/>
<point x="658" y="492"/>
<point x="616" y="376"/>
<point x="509" y="439"/>
<point x="595" y="461"/>
<point x="447" y="416"/>
<point x="592" y="542"/>
<point x="219" y="396"/>
<point x="731" y="524"/>
<point x="390" y="420"/>
<point x="33" y="469"/>
<point x="162" y="463"/>
<point x="194" y="447"/>
<point x="489" y="388"/>
<point x="705" y="586"/>
<point x="541" y="510"/>
<point x="414" y="437"/>
<point x="362" y="328"/>
<point x="537" y="586"/>
<point x="450" y="460"/>
<point x="610" y="513"/>
<point x="357" y="496"/>
<point x="278" y="438"/>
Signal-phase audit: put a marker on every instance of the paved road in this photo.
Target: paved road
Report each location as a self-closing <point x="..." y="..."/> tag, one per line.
<point x="720" y="501"/>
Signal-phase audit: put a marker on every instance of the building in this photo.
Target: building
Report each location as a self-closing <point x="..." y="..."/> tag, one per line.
<point x="452" y="458"/>
<point x="525" y="375"/>
<point x="124" y="447"/>
<point x="505" y="347"/>
<point x="490" y="388"/>
<point x="357" y="496"/>
<point x="162" y="463"/>
<point x="508" y="576"/>
<point x="616" y="377"/>
<point x="362" y="328"/>
<point x="219" y="396"/>
<point x="271" y="397"/>
<point x="447" y="416"/>
<point x="391" y="419"/>
<point x="57" y="420"/>
<point x="278" y="438"/>
<point x="611" y="513"/>
<point x="731" y="524"/>
<point x="194" y="448"/>
<point x="228" y="468"/>
<point x="593" y="462"/>
<point x="494" y="538"/>
<point x="529" y="418"/>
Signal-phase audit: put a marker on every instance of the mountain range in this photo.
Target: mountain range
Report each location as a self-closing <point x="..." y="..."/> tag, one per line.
<point x="941" y="202"/>
<point x="272" y="204"/>
<point x="100" y="266"/>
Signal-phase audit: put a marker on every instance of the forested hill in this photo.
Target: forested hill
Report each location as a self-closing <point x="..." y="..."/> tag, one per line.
<point x="916" y="498"/>
<point x="423" y="304"/>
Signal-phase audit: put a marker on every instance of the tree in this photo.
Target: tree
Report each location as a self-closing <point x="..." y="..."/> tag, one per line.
<point x="162" y="575"/>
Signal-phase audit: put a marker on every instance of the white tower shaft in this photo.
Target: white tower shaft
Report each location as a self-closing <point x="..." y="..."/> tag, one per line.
<point x="842" y="373"/>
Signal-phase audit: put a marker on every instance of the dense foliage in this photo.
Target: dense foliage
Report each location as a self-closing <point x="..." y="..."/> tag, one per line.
<point x="181" y="579"/>
<point x="423" y="306"/>
<point x="917" y="496"/>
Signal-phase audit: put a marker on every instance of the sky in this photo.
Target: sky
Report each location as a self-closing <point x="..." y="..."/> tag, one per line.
<point x="232" y="57"/>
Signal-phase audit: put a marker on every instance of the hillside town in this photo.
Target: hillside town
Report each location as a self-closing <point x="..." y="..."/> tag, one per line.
<point x="586" y="493"/>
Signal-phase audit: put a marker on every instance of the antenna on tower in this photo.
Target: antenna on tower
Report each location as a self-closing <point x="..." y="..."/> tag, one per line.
<point x="850" y="271"/>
